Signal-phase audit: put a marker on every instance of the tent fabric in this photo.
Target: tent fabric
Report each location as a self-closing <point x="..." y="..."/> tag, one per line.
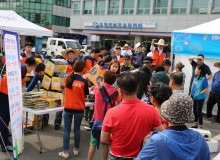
<point x="202" y="39"/>
<point x="11" y="21"/>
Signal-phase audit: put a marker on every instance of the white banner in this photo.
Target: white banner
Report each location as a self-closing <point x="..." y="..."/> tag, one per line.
<point x="13" y="72"/>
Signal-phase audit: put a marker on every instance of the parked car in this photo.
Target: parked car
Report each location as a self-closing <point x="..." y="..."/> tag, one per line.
<point x="57" y="45"/>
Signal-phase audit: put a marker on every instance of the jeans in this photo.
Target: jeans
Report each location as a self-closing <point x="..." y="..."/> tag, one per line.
<point x="212" y="100"/>
<point x="5" y="119"/>
<point x="67" y="128"/>
<point x="58" y="118"/>
<point x="197" y="110"/>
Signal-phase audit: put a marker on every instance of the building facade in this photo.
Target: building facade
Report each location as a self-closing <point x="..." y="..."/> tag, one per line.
<point x="51" y="14"/>
<point x="132" y="21"/>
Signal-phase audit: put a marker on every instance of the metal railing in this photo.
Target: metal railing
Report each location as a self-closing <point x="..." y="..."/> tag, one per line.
<point x="113" y="11"/>
<point x="100" y="11"/>
<point x="143" y="11"/>
<point x="128" y="11"/>
<point x="160" y="10"/>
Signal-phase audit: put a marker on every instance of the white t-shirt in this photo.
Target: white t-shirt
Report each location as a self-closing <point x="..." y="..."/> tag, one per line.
<point x="124" y="52"/>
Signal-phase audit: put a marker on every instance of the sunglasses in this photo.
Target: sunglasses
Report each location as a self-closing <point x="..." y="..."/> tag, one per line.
<point x="199" y="59"/>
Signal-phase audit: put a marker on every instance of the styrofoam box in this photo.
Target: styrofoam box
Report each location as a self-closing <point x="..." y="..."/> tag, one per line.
<point x="213" y="145"/>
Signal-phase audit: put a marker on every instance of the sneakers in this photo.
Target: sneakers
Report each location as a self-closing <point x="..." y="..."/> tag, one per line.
<point x="8" y="148"/>
<point x="64" y="155"/>
<point x="75" y="152"/>
<point x="87" y="128"/>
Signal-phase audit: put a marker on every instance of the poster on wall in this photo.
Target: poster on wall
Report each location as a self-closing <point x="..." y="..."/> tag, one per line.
<point x="13" y="72"/>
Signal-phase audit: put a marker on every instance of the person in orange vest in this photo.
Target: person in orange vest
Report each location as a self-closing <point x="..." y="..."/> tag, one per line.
<point x="27" y="53"/>
<point x="27" y="67"/>
<point x="118" y="55"/>
<point x="70" y="55"/>
<point x="159" y="53"/>
<point x="91" y="60"/>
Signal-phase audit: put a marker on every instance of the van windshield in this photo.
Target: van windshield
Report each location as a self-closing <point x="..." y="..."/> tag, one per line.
<point x="74" y="45"/>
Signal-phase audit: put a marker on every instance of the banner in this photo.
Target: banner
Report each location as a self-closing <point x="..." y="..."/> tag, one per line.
<point x="193" y="44"/>
<point x="13" y="72"/>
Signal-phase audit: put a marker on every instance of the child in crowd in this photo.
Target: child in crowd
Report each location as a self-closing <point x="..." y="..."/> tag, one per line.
<point x="76" y="89"/>
<point x="126" y="65"/>
<point x="109" y="79"/>
<point x="158" y="94"/>
<point x="199" y="89"/>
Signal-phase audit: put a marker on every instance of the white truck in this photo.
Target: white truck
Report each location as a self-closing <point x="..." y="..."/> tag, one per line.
<point x="57" y="45"/>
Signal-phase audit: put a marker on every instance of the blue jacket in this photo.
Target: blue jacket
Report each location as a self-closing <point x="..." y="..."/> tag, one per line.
<point x="172" y="144"/>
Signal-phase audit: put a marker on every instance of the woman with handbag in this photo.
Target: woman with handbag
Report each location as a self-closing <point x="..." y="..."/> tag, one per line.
<point x="76" y="89"/>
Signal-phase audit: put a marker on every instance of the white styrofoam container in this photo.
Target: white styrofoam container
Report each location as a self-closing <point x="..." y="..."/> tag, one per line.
<point x="213" y="145"/>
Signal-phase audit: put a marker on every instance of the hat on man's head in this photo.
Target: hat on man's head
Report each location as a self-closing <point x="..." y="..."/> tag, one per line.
<point x="64" y="53"/>
<point x="217" y="64"/>
<point x="161" y="42"/>
<point x="126" y="45"/>
<point x="148" y="60"/>
<point x="178" y="109"/>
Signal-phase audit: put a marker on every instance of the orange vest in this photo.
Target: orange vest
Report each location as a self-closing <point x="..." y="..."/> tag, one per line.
<point x="4" y="85"/>
<point x="69" y="69"/>
<point x="23" y="60"/>
<point x="89" y="64"/>
<point x="121" y="59"/>
<point x="157" y="60"/>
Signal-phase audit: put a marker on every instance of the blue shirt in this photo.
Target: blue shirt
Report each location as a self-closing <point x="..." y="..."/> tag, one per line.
<point x="215" y="86"/>
<point x="34" y="82"/>
<point x="177" y="142"/>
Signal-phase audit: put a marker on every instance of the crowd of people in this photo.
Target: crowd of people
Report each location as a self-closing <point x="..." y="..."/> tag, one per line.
<point x="139" y="96"/>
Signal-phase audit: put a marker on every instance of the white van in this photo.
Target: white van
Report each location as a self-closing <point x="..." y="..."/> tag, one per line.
<point x="57" y="45"/>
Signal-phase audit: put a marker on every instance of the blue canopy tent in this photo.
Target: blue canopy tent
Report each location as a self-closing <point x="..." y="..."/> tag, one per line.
<point x="204" y="39"/>
<point x="201" y="39"/>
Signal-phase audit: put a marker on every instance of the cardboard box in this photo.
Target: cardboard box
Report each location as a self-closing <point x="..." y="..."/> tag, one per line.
<point x="93" y="74"/>
<point x="56" y="65"/>
<point x="53" y="102"/>
<point x="56" y="95"/>
<point x="57" y="82"/>
<point x="213" y="145"/>
<point x="46" y="82"/>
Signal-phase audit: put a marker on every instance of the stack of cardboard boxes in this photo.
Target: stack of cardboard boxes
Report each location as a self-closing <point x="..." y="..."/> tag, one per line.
<point x="53" y="81"/>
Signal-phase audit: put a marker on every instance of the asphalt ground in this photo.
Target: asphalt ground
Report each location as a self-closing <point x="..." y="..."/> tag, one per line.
<point x="53" y="141"/>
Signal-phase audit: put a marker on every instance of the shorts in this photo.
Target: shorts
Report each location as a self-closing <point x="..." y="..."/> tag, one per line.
<point x="93" y="141"/>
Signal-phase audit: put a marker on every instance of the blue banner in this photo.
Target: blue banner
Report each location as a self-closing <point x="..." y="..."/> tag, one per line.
<point x="193" y="44"/>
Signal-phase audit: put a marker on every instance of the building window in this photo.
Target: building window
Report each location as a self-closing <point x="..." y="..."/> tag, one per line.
<point x="199" y="7"/>
<point x="113" y="6"/>
<point x="179" y="7"/>
<point x="128" y="7"/>
<point x="63" y="3"/>
<point x="160" y="6"/>
<point x="35" y="1"/>
<point x="87" y="7"/>
<point x="76" y="7"/>
<point x="216" y="7"/>
<point x="143" y="7"/>
<point x="100" y="7"/>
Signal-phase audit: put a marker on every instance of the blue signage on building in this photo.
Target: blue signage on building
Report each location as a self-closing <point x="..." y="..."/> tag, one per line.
<point x="118" y="25"/>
